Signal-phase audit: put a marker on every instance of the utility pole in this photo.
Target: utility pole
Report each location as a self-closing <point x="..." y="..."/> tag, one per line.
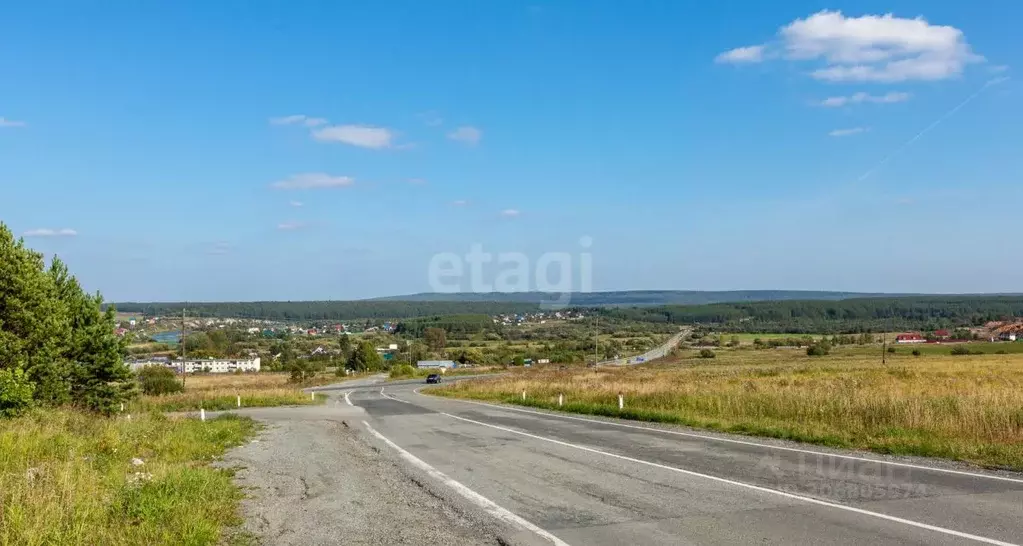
<point x="596" y="339"/>
<point x="183" y="373"/>
<point x="884" y="339"/>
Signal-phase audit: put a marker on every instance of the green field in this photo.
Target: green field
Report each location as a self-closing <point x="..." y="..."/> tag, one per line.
<point x="985" y="347"/>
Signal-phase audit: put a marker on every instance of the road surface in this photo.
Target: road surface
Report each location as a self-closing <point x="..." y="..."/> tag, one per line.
<point x="660" y="351"/>
<point x="565" y="479"/>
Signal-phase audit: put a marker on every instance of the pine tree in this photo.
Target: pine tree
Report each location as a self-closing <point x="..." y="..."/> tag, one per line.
<point x="365" y="358"/>
<point x="33" y="322"/>
<point x="57" y="334"/>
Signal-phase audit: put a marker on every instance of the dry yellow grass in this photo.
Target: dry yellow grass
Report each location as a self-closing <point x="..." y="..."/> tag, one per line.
<point x="220" y="392"/>
<point x="968" y="408"/>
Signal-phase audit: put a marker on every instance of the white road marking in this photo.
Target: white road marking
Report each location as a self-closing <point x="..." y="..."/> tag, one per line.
<point x="810" y="500"/>
<point x="348" y="400"/>
<point x="390" y="397"/>
<point x="486" y="504"/>
<point x="741" y="442"/>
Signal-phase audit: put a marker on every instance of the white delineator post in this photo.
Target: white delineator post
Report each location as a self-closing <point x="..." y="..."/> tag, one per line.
<point x="621" y="401"/>
<point x="312" y="396"/>
<point x="239" y="400"/>
<point x="122" y="406"/>
<point x="561" y="399"/>
<point x="202" y="414"/>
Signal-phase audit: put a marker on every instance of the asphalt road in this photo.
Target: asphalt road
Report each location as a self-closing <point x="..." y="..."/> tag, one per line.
<point x="660" y="351"/>
<point x="311" y="478"/>
<point x="573" y="480"/>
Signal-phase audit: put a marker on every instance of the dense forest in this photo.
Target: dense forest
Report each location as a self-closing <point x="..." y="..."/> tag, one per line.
<point x="787" y="316"/>
<point x="454" y="325"/>
<point x="637" y="297"/>
<point x="844" y="316"/>
<point x="325" y="310"/>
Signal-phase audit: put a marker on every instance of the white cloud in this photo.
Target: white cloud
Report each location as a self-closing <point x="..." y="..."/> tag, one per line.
<point x="466" y="134"/>
<point x="46" y="232"/>
<point x="846" y="132"/>
<point x="999" y="68"/>
<point x="290" y="226"/>
<point x="308" y="181"/>
<point x="363" y="136"/>
<point x="4" y="122"/>
<point x="750" y="54"/>
<point x="875" y="48"/>
<point x="460" y="203"/>
<point x="296" y="204"/>
<point x="298" y="119"/>
<point x="860" y="97"/>
<point x="510" y="213"/>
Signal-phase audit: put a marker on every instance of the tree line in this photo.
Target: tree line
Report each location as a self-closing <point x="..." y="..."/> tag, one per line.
<point x="461" y="325"/>
<point x="838" y="317"/>
<point x="326" y="310"/>
<point x="57" y="345"/>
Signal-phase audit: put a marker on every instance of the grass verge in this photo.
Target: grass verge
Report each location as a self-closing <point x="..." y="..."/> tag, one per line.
<point x="224" y="399"/>
<point x="69" y="478"/>
<point x="408" y="372"/>
<point x="216" y="392"/>
<point x="965" y="408"/>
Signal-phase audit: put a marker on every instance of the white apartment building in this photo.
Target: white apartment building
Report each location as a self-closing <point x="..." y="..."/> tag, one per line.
<point x="207" y="365"/>
<point x="219" y="365"/>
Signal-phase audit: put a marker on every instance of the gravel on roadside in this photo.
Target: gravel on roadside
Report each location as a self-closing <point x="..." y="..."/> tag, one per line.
<point x="318" y="481"/>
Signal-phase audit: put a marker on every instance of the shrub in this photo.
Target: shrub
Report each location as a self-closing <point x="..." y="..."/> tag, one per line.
<point x="891" y="350"/>
<point x="403" y="370"/>
<point x="707" y="353"/>
<point x="960" y="350"/>
<point x="302" y="370"/>
<point x="15" y="392"/>
<point x="916" y="352"/>
<point x="157" y="380"/>
<point x="818" y="349"/>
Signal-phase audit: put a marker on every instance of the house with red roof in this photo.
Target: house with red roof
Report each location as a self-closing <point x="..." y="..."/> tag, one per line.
<point x="910" y="338"/>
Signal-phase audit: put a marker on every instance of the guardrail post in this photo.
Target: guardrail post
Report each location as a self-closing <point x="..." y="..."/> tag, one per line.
<point x="621" y="401"/>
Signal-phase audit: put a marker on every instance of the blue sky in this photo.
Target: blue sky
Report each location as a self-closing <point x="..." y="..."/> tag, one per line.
<point x="328" y="150"/>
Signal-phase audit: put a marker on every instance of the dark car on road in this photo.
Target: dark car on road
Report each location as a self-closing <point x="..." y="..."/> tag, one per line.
<point x="433" y="378"/>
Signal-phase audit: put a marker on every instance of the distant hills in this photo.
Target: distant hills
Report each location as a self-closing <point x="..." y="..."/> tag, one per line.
<point x="776" y="309"/>
<point x="638" y="297"/>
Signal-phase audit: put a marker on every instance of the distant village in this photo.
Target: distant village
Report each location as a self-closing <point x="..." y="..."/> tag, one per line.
<point x="168" y="330"/>
<point x="991" y="331"/>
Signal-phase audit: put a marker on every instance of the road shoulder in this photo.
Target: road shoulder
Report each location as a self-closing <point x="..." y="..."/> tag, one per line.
<point x="318" y="481"/>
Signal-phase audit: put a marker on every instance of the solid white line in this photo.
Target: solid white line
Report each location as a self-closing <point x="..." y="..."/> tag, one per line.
<point x="741" y="442"/>
<point x="391" y="397"/>
<point x="486" y="504"/>
<point x="810" y="500"/>
<point x="348" y="400"/>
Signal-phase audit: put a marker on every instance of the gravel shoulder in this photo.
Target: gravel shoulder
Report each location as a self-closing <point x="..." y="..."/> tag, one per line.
<point x="311" y="477"/>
